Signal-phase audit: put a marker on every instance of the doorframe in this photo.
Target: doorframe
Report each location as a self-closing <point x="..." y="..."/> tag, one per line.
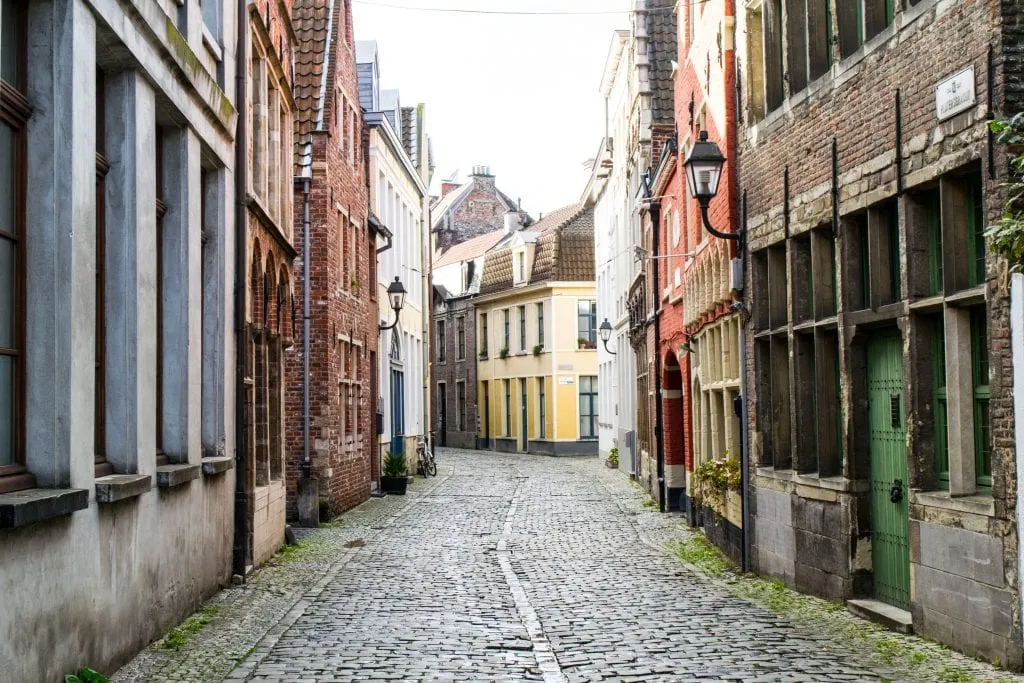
<point x="442" y="399"/>
<point x="524" y="412"/>
<point x="895" y="334"/>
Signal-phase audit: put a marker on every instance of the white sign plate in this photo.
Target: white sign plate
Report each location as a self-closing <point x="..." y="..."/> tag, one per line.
<point x="955" y="94"/>
<point x="567" y="380"/>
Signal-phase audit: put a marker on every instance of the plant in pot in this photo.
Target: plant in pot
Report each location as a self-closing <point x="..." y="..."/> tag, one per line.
<point x="394" y="479"/>
<point x="538" y="349"/>
<point x="504" y="354"/>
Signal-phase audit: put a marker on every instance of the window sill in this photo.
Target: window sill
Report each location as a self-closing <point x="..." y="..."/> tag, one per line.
<point x="217" y="465"/>
<point x="171" y="476"/>
<point x="967" y="297"/>
<point x="974" y="505"/>
<point x="22" y="508"/>
<point x="115" y="487"/>
<point x="211" y="45"/>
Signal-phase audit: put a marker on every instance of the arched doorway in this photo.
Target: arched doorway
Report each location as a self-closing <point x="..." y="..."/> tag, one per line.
<point x="674" y="440"/>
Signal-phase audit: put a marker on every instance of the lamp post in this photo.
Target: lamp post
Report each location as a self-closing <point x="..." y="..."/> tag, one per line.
<point x="606" y="333"/>
<point x="703" y="172"/>
<point x="396" y="294"/>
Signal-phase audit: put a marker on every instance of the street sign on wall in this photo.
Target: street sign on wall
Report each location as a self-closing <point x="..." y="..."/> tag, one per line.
<point x="955" y="94"/>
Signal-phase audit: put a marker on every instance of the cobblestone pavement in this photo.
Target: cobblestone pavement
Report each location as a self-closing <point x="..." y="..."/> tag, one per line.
<point x="515" y="568"/>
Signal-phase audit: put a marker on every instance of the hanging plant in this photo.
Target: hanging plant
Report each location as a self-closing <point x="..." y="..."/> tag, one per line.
<point x="713" y="478"/>
<point x="1006" y="237"/>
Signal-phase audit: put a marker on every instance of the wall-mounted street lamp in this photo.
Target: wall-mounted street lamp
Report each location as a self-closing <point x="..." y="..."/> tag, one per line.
<point x="703" y="173"/>
<point x="606" y="333"/>
<point x="396" y="294"/>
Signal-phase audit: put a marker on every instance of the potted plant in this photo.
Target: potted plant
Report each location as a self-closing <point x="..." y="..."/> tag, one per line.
<point x="504" y="354"/>
<point x="613" y="459"/>
<point x="537" y="349"/>
<point x="394" y="479"/>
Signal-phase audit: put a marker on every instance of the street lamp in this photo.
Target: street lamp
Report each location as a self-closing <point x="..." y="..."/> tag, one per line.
<point x="396" y="294"/>
<point x="606" y="333"/>
<point x="703" y="172"/>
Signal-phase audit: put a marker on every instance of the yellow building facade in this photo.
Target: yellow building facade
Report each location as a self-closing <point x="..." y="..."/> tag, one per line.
<point x="537" y="340"/>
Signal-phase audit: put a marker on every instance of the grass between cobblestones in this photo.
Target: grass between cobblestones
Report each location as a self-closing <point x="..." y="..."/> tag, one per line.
<point x="912" y="656"/>
<point x="178" y="636"/>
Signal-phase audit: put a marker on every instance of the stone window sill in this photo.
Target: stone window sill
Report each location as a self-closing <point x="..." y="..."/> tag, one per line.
<point x="974" y="505"/>
<point x="31" y="506"/>
<point x="171" y="476"/>
<point x="217" y="465"/>
<point x="115" y="487"/>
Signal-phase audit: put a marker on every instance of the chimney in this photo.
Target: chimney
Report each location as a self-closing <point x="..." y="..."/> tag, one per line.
<point x="513" y="221"/>
<point x="483" y="177"/>
<point x="448" y="186"/>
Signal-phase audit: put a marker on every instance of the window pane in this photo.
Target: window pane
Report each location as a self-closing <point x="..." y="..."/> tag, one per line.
<point x="8" y="292"/>
<point x="9" y="42"/>
<point x="7" y="398"/>
<point x="7" y="184"/>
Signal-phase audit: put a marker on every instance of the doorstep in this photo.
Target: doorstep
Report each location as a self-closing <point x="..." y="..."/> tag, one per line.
<point x="883" y="613"/>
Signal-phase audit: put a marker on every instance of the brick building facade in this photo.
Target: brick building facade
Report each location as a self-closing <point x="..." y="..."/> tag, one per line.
<point x="881" y="418"/>
<point x="330" y="165"/>
<point x="269" y="118"/>
<point x="469" y="210"/>
<point x="700" y="326"/>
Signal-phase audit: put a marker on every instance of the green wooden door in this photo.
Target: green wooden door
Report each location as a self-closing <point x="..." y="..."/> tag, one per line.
<point x="888" y="453"/>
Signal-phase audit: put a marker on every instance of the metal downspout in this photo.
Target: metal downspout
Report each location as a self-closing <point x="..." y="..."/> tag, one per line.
<point x="655" y="208"/>
<point x="306" y="468"/>
<point x="240" y="554"/>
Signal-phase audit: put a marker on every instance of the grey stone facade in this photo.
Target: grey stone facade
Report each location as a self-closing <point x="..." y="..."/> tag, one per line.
<point x="126" y="102"/>
<point x="865" y="211"/>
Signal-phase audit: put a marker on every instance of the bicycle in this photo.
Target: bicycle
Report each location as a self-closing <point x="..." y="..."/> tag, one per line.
<point x="426" y="457"/>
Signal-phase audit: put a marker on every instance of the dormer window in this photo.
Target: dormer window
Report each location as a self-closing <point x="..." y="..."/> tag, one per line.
<point x="521" y="266"/>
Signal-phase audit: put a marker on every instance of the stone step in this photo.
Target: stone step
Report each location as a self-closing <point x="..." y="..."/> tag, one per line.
<point x="883" y="613"/>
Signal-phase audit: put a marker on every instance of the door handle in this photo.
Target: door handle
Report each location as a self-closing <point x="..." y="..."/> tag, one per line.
<point x="896" y="492"/>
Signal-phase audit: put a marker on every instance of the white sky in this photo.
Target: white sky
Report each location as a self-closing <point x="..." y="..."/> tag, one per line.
<point x="516" y="93"/>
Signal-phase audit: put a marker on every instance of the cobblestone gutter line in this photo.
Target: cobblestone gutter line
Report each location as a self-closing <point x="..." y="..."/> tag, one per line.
<point x="542" y="650"/>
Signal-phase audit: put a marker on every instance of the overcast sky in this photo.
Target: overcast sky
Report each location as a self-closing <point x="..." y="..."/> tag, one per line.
<point x="518" y="93"/>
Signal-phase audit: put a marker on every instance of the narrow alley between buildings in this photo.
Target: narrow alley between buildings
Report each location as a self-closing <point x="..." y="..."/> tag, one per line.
<point x="521" y="568"/>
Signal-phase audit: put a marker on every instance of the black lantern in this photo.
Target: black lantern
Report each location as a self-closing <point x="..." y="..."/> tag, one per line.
<point x="396" y="294"/>
<point x="605" y="330"/>
<point x="704" y="169"/>
<point x="703" y="173"/>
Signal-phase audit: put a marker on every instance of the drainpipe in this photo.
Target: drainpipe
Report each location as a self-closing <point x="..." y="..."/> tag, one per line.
<point x="742" y="408"/>
<point x="655" y="209"/>
<point x="305" y="329"/>
<point x="240" y="554"/>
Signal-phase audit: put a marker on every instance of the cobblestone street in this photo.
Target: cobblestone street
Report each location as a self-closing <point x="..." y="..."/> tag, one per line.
<point x="515" y="568"/>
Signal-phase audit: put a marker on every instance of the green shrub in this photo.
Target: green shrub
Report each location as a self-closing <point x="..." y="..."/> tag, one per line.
<point x="714" y="477"/>
<point x="86" y="675"/>
<point x="394" y="464"/>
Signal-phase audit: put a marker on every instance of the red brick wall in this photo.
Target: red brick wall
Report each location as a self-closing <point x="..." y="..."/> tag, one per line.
<point x="337" y="308"/>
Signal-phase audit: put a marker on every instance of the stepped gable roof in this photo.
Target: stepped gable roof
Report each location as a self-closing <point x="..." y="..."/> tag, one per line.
<point x="564" y="251"/>
<point x="316" y="24"/>
<point x="471" y="248"/>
